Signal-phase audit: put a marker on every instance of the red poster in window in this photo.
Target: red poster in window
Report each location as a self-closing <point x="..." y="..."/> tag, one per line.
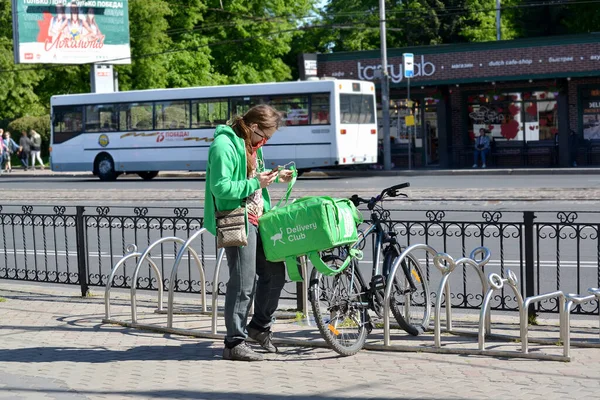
<point x="532" y="110"/>
<point x="513" y="110"/>
<point x="543" y="122"/>
<point x="510" y="129"/>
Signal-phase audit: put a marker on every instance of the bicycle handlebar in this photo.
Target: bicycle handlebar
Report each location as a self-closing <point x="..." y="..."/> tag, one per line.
<point x="392" y="191"/>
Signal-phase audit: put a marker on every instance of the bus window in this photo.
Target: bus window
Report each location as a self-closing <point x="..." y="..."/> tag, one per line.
<point x="294" y="109"/>
<point x="356" y="109"/>
<point x="367" y="110"/>
<point x="240" y="105"/>
<point x="172" y="115"/>
<point x="209" y="113"/>
<point x="319" y="109"/>
<point x="67" y="123"/>
<point x="100" y="118"/>
<point x="135" y="117"/>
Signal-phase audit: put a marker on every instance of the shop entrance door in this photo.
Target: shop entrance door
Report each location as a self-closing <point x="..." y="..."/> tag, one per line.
<point x="430" y="132"/>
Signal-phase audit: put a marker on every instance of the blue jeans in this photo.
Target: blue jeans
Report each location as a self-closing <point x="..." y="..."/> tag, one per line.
<point x="482" y="153"/>
<point x="245" y="263"/>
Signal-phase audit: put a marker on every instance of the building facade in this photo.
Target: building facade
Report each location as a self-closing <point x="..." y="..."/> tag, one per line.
<point x="537" y="99"/>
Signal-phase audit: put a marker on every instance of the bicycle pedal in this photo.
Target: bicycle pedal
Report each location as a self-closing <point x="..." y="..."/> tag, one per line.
<point x="378" y="282"/>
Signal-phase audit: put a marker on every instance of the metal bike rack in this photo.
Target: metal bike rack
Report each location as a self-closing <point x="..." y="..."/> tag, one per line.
<point x="390" y="284"/>
<point x="524" y="322"/>
<point x="443" y="262"/>
<point x="145" y="255"/>
<point x="496" y="283"/>
<point x="444" y="286"/>
<point x="570" y="300"/>
<point x="215" y="294"/>
<point x="131" y="252"/>
<point x="185" y="248"/>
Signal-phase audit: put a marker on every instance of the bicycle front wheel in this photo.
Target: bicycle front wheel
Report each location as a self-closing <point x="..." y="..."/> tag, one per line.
<point x="410" y="299"/>
<point x="340" y="314"/>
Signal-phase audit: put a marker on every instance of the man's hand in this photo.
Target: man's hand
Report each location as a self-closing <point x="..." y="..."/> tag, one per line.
<point x="286" y="175"/>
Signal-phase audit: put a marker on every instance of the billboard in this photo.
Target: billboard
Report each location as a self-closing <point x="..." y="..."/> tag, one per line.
<point x="71" y="31"/>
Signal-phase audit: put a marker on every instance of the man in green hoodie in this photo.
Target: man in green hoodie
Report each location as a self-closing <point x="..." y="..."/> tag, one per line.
<point x="235" y="177"/>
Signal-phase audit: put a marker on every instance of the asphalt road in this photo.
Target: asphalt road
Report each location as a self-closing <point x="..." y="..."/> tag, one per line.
<point x="497" y="192"/>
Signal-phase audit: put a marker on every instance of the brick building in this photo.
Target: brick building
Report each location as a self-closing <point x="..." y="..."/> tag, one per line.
<point x="529" y="95"/>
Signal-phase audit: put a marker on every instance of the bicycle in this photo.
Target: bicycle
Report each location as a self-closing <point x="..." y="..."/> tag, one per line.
<point x="341" y="303"/>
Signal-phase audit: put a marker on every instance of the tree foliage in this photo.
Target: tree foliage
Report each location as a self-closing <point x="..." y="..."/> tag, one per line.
<point x="178" y="43"/>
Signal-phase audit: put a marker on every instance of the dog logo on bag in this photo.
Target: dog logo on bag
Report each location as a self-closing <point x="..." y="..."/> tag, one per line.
<point x="277" y="237"/>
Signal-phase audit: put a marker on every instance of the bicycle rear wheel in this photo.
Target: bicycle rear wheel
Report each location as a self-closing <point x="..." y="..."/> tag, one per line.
<point x="339" y="311"/>
<point x="410" y="306"/>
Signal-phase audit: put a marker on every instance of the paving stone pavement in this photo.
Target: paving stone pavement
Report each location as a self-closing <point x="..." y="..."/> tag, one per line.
<point x="53" y="345"/>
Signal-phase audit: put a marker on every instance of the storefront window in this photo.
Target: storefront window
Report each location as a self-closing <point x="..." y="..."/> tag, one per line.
<point x="591" y="114"/>
<point x="529" y="116"/>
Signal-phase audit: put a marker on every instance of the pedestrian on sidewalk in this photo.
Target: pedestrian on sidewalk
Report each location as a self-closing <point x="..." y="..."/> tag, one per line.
<point x="12" y="147"/>
<point x="482" y="147"/>
<point x="3" y="151"/>
<point x="235" y="177"/>
<point x="36" y="148"/>
<point x="25" y="145"/>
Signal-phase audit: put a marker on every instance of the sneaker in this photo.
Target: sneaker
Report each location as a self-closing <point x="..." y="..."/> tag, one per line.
<point x="483" y="166"/>
<point x="474" y="165"/>
<point x="265" y="339"/>
<point x="241" y="352"/>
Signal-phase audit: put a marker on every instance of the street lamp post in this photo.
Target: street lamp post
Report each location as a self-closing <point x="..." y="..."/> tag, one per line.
<point x="385" y="91"/>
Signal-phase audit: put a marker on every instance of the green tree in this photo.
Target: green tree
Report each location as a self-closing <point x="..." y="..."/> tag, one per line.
<point x="250" y="38"/>
<point x="478" y="21"/>
<point x="149" y="39"/>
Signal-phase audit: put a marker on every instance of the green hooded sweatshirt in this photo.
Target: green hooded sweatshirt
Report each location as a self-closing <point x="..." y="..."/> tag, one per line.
<point x="226" y="177"/>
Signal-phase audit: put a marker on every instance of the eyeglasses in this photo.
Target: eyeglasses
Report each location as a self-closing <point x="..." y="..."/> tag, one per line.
<point x="262" y="134"/>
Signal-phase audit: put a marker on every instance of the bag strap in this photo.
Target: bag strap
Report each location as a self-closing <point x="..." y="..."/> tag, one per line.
<point x="322" y="267"/>
<point x="291" y="183"/>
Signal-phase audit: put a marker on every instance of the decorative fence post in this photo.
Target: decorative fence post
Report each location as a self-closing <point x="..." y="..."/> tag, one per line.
<point x="81" y="233"/>
<point x="528" y="217"/>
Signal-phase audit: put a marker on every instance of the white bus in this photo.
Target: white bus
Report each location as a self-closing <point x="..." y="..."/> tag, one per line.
<point x="328" y="123"/>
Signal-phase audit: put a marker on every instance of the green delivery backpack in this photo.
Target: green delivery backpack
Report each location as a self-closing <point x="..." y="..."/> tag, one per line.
<point x="307" y="226"/>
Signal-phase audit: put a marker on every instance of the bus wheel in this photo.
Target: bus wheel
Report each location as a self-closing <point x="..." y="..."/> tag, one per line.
<point x="105" y="167"/>
<point x="302" y="171"/>
<point x="148" y="175"/>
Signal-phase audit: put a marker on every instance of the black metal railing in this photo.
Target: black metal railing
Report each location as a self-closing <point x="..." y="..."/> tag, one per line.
<point x="79" y="245"/>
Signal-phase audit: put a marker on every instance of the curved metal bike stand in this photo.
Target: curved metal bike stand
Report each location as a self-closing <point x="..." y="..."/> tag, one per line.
<point x="446" y="270"/>
<point x="185" y="248"/>
<point x="570" y="300"/>
<point x="131" y="251"/>
<point x="390" y="284"/>
<point x="497" y="283"/>
<point x="524" y="322"/>
<point x="215" y="293"/>
<point x="145" y="256"/>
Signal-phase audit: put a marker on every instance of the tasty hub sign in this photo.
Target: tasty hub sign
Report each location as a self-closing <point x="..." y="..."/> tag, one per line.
<point x="421" y="68"/>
